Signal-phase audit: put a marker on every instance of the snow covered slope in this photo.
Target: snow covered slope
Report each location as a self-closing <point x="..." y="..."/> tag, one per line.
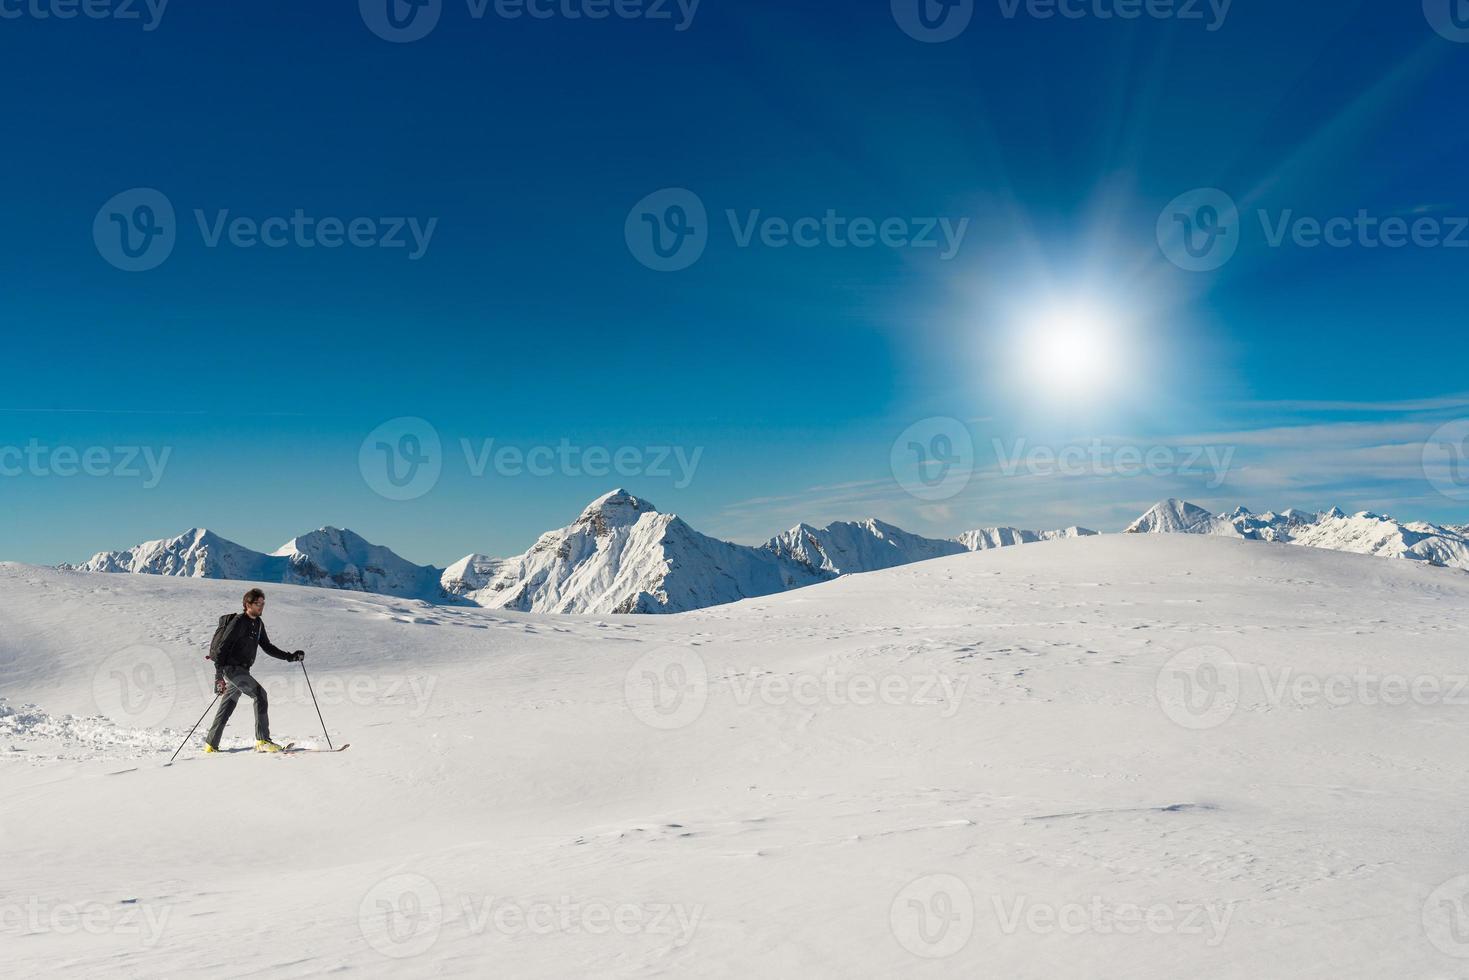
<point x="1365" y="533"/>
<point x="1002" y="764"/>
<point x="623" y="556"/>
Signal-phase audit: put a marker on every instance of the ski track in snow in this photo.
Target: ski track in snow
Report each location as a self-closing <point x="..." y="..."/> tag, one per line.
<point x="498" y="764"/>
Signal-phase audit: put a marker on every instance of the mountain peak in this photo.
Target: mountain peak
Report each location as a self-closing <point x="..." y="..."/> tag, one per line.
<point x="1174" y="515"/>
<point x="617" y="508"/>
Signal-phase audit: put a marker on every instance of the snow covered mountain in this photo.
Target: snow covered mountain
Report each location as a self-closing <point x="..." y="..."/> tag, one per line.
<point x="197" y="553"/>
<point x="866" y="546"/>
<point x="339" y="559"/>
<point x="985" y="538"/>
<point x="329" y="557"/>
<point x="1180" y="517"/>
<point x="620" y="555"/>
<point x="623" y="556"/>
<point x="1364" y="533"/>
<point x="857" y="546"/>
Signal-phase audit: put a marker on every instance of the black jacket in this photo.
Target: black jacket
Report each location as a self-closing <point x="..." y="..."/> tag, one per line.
<point x="237" y="649"/>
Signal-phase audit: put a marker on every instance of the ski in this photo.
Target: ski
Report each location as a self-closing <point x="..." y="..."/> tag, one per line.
<point x="339" y="748"/>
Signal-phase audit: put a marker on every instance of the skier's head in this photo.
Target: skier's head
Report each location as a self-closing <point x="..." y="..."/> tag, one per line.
<point x="254" y="603"/>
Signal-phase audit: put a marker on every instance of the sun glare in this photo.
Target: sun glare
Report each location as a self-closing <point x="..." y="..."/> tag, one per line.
<point x="1071" y="350"/>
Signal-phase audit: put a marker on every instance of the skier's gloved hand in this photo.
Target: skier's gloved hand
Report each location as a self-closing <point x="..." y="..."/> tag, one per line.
<point x="219" y="685"/>
<point x="298" y="656"/>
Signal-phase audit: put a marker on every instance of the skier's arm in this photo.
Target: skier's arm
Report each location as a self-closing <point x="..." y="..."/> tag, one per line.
<point x="271" y="648"/>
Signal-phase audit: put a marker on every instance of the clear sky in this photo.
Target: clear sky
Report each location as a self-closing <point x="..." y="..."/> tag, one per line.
<point x="980" y="264"/>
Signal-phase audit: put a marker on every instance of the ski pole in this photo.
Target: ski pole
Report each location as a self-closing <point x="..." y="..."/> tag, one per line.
<point x="191" y="732"/>
<point x="313" y="701"/>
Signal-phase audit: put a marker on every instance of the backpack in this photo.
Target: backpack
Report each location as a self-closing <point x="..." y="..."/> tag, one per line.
<point x="219" y="633"/>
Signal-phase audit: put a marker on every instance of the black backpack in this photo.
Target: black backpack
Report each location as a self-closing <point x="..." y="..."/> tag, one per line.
<point x="219" y="634"/>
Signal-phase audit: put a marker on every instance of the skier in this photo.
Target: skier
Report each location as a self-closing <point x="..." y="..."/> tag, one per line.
<point x="232" y="662"/>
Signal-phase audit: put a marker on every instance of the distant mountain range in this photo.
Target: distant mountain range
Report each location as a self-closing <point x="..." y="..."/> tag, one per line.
<point x="621" y="555"/>
<point x="1364" y="533"/>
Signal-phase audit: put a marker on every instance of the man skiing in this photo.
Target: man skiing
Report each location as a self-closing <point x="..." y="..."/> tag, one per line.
<point x="233" y="658"/>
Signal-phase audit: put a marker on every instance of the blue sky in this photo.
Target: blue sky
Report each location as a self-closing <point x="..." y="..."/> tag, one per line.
<point x="521" y="146"/>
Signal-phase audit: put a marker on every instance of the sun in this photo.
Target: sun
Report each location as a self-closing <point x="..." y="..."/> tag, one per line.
<point x="1071" y="350"/>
